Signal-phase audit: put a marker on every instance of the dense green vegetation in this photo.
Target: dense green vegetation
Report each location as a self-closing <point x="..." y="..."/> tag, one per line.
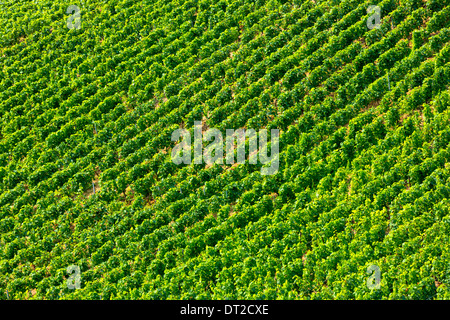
<point x="364" y="149"/>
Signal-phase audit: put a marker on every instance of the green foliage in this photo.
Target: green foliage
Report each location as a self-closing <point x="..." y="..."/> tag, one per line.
<point x="86" y="177"/>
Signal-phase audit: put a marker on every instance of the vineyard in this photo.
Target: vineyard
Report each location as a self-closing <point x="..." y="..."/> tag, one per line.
<point x="93" y="207"/>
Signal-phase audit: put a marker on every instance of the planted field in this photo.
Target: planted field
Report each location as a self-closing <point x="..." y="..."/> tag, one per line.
<point x="347" y="198"/>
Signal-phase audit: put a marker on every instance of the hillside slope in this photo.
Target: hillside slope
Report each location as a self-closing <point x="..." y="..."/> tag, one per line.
<point x="358" y="209"/>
